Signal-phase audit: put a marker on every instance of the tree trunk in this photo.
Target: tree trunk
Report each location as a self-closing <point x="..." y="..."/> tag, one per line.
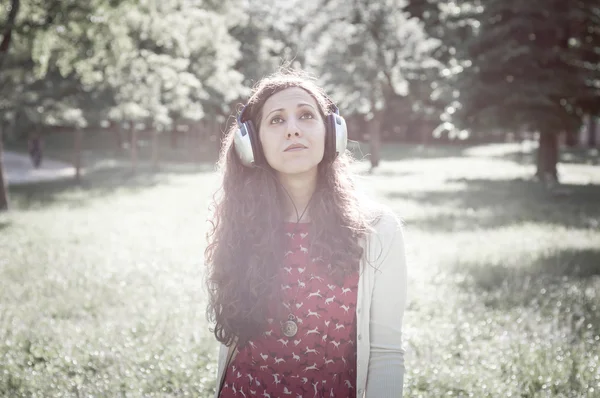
<point x="375" y="139"/>
<point x="77" y="146"/>
<point x="118" y="133"/>
<point x="591" y="131"/>
<point x="133" y="147"/>
<point x="3" y="182"/>
<point x="547" y="157"/>
<point x="155" y="152"/>
<point x="8" y="28"/>
<point x="174" y="135"/>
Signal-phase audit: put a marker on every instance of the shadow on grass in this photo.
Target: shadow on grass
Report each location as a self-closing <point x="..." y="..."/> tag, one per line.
<point x="4" y="225"/>
<point x="558" y="282"/>
<point x="395" y="151"/>
<point x="96" y="183"/>
<point x="585" y="157"/>
<point x="498" y="203"/>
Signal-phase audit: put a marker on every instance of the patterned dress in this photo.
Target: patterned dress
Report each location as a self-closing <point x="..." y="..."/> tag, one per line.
<point x="320" y="360"/>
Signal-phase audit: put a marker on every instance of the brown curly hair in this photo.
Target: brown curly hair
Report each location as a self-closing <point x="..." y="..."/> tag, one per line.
<point x="246" y="233"/>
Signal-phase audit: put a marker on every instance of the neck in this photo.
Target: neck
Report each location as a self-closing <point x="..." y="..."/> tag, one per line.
<point x="301" y="188"/>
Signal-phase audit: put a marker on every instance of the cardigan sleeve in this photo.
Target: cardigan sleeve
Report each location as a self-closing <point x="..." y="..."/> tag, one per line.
<point x="386" y="361"/>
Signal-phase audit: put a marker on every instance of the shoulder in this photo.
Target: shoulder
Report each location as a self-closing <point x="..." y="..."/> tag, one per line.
<point x="383" y="220"/>
<point x="386" y="235"/>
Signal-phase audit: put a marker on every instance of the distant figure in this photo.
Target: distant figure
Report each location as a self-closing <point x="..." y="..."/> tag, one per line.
<point x="306" y="278"/>
<point x="35" y="150"/>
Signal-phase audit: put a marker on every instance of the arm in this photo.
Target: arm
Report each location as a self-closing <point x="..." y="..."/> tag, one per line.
<point x="386" y="363"/>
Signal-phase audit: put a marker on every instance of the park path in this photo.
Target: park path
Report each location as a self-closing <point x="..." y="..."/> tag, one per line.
<point x="18" y="169"/>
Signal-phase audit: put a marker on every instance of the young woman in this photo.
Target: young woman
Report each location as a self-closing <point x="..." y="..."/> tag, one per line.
<point x="306" y="280"/>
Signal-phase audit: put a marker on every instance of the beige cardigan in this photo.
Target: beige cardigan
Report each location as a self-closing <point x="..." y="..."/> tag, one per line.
<point x="380" y="307"/>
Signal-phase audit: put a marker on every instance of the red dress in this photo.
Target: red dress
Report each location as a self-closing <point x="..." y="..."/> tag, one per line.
<point x="320" y="360"/>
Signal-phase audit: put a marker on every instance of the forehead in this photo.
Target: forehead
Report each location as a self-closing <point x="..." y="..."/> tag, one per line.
<point x="288" y="97"/>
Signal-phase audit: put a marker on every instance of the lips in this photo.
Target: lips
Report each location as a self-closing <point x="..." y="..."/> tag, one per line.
<point x="295" y="147"/>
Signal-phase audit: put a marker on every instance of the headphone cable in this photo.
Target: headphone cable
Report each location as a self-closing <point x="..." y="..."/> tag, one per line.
<point x="298" y="216"/>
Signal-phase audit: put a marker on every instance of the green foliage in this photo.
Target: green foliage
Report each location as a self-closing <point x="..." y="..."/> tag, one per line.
<point x="514" y="65"/>
<point x="369" y="53"/>
<point x="145" y="61"/>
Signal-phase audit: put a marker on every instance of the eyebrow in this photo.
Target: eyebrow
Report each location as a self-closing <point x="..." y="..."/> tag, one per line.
<point x="301" y="104"/>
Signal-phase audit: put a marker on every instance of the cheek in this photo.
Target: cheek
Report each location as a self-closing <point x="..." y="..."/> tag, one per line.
<point x="269" y="147"/>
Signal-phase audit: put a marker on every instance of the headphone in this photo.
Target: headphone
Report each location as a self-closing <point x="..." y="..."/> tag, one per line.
<point x="249" y="150"/>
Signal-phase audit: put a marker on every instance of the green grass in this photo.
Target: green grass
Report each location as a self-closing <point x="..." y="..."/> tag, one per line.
<point x="102" y="282"/>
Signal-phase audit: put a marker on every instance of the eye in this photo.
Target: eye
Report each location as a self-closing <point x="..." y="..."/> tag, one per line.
<point x="276" y="120"/>
<point x="307" y="115"/>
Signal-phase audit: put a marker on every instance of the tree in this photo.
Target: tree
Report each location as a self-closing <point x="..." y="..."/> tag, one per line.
<point x="516" y="66"/>
<point x="522" y="66"/>
<point x="367" y="56"/>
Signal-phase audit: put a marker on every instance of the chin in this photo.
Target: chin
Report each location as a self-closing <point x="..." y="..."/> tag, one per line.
<point x="294" y="169"/>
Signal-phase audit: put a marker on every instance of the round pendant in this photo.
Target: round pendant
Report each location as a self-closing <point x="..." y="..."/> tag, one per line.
<point x="289" y="328"/>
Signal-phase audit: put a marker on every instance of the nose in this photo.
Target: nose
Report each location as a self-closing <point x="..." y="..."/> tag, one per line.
<point x="292" y="128"/>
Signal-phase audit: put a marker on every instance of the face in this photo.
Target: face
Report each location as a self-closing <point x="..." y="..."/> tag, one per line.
<point x="292" y="132"/>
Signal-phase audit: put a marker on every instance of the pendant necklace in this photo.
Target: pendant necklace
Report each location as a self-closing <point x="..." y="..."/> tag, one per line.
<point x="289" y="328"/>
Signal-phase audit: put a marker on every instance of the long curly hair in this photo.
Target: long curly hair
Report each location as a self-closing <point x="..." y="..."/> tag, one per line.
<point x="246" y="233"/>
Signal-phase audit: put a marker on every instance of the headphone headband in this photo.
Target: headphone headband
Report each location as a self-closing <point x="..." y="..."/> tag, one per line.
<point x="247" y="143"/>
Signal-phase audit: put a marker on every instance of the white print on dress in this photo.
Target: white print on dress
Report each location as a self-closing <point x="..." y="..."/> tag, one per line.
<point x="313" y="331"/>
<point x="311" y="367"/>
<point x="329" y="300"/>
<point x="315" y="294"/>
<point x="276" y="378"/>
<point x="346" y="290"/>
<point x="313" y="313"/>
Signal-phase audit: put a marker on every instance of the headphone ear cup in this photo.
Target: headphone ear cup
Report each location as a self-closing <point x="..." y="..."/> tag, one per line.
<point x="341" y="135"/>
<point x="336" y="136"/>
<point x="246" y="144"/>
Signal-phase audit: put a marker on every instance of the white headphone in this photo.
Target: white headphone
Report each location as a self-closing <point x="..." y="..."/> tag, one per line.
<point x="249" y="149"/>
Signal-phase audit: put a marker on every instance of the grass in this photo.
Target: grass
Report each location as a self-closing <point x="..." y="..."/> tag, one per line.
<point x="102" y="282"/>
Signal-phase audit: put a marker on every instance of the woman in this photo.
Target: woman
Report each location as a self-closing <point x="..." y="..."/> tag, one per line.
<point x="307" y="282"/>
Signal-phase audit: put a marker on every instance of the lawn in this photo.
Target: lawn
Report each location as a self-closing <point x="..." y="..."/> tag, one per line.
<point x="102" y="294"/>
